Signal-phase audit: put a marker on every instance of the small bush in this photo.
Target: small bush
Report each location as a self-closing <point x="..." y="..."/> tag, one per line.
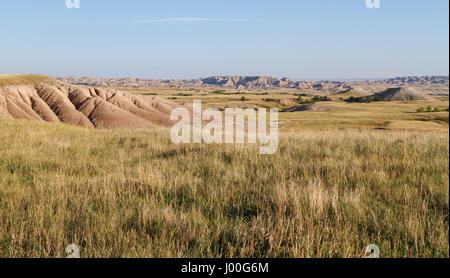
<point x="218" y="92"/>
<point x="430" y="109"/>
<point x="315" y="99"/>
<point x="367" y="99"/>
<point x="321" y="98"/>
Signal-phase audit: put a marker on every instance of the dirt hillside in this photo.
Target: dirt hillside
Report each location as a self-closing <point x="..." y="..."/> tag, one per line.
<point x="56" y="101"/>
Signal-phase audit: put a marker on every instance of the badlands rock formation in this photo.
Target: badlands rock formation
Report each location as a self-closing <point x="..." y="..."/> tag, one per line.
<point x="59" y="102"/>
<point x="252" y="82"/>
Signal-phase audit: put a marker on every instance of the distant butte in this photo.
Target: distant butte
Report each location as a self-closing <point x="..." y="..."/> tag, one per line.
<point x="249" y="82"/>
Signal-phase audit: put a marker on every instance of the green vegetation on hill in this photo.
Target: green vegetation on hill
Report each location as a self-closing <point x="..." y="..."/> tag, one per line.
<point x="313" y="100"/>
<point x="430" y="109"/>
<point x="364" y="99"/>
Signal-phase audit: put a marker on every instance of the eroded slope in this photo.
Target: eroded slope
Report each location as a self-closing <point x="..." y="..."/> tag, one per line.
<point x="83" y="106"/>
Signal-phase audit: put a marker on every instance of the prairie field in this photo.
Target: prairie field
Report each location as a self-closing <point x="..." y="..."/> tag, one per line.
<point x="337" y="114"/>
<point x="133" y="193"/>
<point x="224" y="130"/>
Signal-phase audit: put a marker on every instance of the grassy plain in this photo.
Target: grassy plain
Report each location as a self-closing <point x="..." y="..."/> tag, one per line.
<point x="342" y="179"/>
<point x="338" y="115"/>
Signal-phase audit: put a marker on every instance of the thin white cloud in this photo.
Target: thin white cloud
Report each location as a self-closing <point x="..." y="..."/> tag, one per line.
<point x="182" y="20"/>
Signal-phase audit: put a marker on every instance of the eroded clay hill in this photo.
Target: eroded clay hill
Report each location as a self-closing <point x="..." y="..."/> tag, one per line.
<point x="401" y="94"/>
<point x="59" y="102"/>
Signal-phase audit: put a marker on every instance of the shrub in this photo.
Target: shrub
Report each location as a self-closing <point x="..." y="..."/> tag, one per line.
<point x="218" y="92"/>
<point x="183" y="95"/>
<point x="315" y="99"/>
<point x="431" y="109"/>
<point x="368" y="99"/>
<point x="321" y="98"/>
<point x="420" y="110"/>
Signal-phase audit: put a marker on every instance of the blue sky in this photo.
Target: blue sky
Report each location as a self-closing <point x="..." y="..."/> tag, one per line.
<point x="302" y="39"/>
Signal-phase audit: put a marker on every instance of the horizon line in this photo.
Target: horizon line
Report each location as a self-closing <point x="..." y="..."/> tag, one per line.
<point x="273" y="76"/>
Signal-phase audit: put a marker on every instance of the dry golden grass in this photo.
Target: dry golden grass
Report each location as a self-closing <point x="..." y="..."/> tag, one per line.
<point x="17" y="79"/>
<point x="398" y="116"/>
<point x="127" y="193"/>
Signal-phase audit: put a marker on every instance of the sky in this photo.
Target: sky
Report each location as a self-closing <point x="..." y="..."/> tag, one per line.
<point x="299" y="39"/>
